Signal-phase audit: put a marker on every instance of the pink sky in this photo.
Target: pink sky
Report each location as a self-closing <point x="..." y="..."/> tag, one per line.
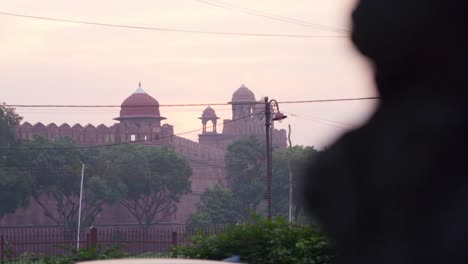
<point x="58" y="63"/>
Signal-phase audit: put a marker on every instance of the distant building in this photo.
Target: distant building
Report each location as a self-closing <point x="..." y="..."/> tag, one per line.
<point x="140" y="120"/>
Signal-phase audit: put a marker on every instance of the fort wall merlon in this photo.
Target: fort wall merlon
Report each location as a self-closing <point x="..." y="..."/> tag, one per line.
<point x="102" y="134"/>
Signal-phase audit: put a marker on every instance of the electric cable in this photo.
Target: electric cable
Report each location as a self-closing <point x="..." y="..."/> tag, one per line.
<point x="176" y="30"/>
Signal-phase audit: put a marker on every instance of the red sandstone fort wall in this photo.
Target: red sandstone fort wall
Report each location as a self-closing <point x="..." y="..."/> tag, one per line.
<point x="102" y="134"/>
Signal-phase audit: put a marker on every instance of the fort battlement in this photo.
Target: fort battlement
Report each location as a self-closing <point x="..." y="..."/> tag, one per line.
<point x="102" y="134"/>
<point x="196" y="151"/>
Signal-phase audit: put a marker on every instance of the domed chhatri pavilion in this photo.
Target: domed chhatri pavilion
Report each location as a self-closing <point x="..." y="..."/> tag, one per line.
<point x="148" y="107"/>
<point x="140" y="120"/>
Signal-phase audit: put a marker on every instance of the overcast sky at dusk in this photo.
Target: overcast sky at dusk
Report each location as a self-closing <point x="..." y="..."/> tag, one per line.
<point x="43" y="62"/>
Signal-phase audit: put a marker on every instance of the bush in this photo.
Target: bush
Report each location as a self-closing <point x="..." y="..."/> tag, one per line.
<point x="83" y="254"/>
<point x="263" y="241"/>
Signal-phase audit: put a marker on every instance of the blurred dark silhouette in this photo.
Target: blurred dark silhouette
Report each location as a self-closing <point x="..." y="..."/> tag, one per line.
<point x="396" y="189"/>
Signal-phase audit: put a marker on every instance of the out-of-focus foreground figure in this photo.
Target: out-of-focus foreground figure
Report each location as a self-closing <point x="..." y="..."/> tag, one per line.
<point x="396" y="189"/>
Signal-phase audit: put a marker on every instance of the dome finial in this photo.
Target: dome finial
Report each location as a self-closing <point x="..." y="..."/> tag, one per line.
<point x="139" y="89"/>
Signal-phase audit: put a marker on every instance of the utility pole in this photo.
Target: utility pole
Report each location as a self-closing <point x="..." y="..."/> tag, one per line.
<point x="290" y="206"/>
<point x="269" y="106"/>
<point x="268" y="153"/>
<point x="79" y="208"/>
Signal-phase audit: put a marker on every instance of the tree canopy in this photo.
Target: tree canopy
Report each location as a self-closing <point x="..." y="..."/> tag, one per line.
<point x="146" y="180"/>
<point x="55" y="171"/>
<point x="300" y="158"/>
<point x="9" y="120"/>
<point x="245" y="191"/>
<point x="150" y="180"/>
<point x="15" y="185"/>
<point x="245" y="165"/>
<point x="15" y="190"/>
<point x="217" y="206"/>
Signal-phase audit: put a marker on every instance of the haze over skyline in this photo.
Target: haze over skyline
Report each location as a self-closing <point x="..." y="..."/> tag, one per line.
<point x="45" y="62"/>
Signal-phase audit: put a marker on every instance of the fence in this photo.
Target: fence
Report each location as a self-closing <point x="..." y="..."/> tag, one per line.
<point x="56" y="241"/>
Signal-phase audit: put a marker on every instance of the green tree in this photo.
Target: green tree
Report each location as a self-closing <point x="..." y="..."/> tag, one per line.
<point x="151" y="180"/>
<point x="9" y="120"/>
<point x="246" y="177"/>
<point x="55" y="171"/>
<point x="15" y="190"/>
<point x="217" y="206"/>
<point x="300" y="159"/>
<point x="15" y="185"/>
<point x="245" y="164"/>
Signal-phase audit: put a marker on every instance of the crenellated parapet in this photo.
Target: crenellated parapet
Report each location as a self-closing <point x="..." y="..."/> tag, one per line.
<point x="87" y="135"/>
<point x="102" y="134"/>
<point x="196" y="151"/>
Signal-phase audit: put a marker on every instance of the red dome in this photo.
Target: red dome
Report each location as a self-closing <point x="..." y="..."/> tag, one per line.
<point x="139" y="104"/>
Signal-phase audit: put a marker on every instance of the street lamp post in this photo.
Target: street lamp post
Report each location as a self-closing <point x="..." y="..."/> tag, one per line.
<point x="270" y="107"/>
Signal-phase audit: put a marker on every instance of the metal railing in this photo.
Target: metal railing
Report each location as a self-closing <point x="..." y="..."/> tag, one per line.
<point x="58" y="241"/>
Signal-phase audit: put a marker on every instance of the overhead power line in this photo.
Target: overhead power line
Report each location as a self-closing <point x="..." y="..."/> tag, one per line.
<point x="106" y="111"/>
<point x="176" y="30"/>
<point x="192" y="105"/>
<point x="127" y="142"/>
<point x="321" y="121"/>
<point x="330" y="100"/>
<point x="272" y="16"/>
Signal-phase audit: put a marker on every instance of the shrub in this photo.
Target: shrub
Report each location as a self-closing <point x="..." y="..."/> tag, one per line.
<point x="263" y="241"/>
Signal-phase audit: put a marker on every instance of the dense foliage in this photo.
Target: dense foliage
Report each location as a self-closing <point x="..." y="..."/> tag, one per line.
<point x="15" y="184"/>
<point x="72" y="255"/>
<point x="217" y="206"/>
<point x="245" y="165"/>
<point x="9" y="119"/>
<point x="55" y="171"/>
<point x="245" y="191"/>
<point x="15" y="190"/>
<point x="150" y="180"/>
<point x="262" y="242"/>
<point x="300" y="158"/>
